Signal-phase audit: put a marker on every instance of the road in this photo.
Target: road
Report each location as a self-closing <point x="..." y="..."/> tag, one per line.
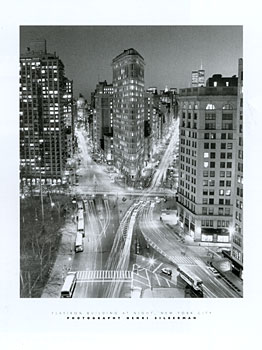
<point x="106" y="267"/>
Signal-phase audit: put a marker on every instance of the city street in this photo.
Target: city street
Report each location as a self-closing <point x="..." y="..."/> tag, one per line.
<point x="109" y="266"/>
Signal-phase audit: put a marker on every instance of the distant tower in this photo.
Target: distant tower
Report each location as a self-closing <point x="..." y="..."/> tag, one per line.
<point x="198" y="77"/>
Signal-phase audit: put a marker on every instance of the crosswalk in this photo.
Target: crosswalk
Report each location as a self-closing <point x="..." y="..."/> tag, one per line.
<point x="104" y="276"/>
<point x="186" y="260"/>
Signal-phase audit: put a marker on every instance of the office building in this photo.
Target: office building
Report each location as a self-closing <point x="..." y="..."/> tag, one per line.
<point x="208" y="156"/>
<point x="198" y="78"/>
<point x="237" y="233"/>
<point x="102" y="114"/>
<point x="128" y="113"/>
<point x="42" y="123"/>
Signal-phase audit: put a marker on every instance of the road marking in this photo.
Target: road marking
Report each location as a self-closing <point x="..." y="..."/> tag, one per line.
<point x="157" y="267"/>
<point x="167" y="282"/>
<point x="148" y="279"/>
<point x="157" y="279"/>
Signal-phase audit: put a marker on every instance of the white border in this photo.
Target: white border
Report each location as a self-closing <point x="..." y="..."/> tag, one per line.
<point x="28" y="322"/>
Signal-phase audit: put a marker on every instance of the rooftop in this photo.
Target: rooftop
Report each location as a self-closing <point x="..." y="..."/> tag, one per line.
<point x="128" y="52"/>
<point x="208" y="91"/>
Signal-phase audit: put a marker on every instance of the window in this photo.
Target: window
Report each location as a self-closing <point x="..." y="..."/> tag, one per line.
<point x="213" y="146"/>
<point x="212" y="174"/>
<point x="223" y="136"/>
<point x="229" y="165"/>
<point x="221" y="201"/>
<point x="221" y="192"/>
<point x="227" y="106"/>
<point x="205" y="182"/>
<point x="222" y="164"/>
<point x="221" y="183"/>
<point x="228" y="192"/>
<point x="229" y="145"/>
<point x="211" y="192"/>
<point x="210" y="116"/>
<point x="210" y="106"/>
<point x="220" y="211"/>
<point x="204" y="200"/>
<point x="204" y="210"/>
<point x="206" y="136"/>
<point x="213" y="136"/>
<point x="206" y="145"/>
<point x="212" y="164"/>
<point x="222" y="174"/>
<point x="205" y="164"/>
<point x="223" y="145"/>
<point x="206" y="154"/>
<point x="228" y="173"/>
<point x="211" y="182"/>
<point x="212" y="155"/>
<point x="210" y="211"/>
<point x="227" y="201"/>
<point x="228" y="183"/>
<point x="211" y="200"/>
<point x="227" y="211"/>
<point x="205" y="173"/>
<point x="205" y="192"/>
<point x="222" y="155"/>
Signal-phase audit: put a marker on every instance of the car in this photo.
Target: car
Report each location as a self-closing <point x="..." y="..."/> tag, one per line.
<point x="214" y="271"/>
<point x="167" y="271"/>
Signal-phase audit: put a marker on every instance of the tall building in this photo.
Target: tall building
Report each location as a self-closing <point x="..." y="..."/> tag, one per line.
<point x="237" y="236"/>
<point x="128" y="113"/>
<point x="198" y="78"/>
<point x="208" y="156"/>
<point x="69" y="117"/>
<point x="103" y="113"/>
<point x="42" y="122"/>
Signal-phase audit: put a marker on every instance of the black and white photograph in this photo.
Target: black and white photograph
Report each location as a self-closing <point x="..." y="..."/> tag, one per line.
<point x="131" y="162"/>
<point x="131" y="174"/>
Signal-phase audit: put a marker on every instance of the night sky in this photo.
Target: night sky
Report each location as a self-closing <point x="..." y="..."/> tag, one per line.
<point x="170" y="52"/>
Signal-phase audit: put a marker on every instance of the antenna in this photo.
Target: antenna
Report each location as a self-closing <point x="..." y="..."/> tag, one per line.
<point x="201" y="66"/>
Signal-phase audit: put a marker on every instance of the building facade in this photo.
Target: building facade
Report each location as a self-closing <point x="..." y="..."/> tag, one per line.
<point x="237" y="237"/>
<point x="208" y="149"/>
<point x="128" y="113"/>
<point x="102" y="114"/>
<point x="42" y="122"/>
<point x="198" y="78"/>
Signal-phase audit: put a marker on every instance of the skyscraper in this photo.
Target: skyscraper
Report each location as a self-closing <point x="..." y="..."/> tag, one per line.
<point x="237" y="236"/>
<point x="42" y="123"/>
<point x="103" y="113"/>
<point x="128" y="113"/>
<point x="208" y="153"/>
<point x="198" y="77"/>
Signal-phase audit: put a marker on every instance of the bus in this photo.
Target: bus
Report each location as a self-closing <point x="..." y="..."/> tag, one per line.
<point x="81" y="226"/>
<point x="191" y="279"/>
<point x="79" y="244"/>
<point x="69" y="285"/>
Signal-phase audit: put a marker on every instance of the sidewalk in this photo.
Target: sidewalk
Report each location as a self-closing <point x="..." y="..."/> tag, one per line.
<point x="206" y="252"/>
<point x="63" y="261"/>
